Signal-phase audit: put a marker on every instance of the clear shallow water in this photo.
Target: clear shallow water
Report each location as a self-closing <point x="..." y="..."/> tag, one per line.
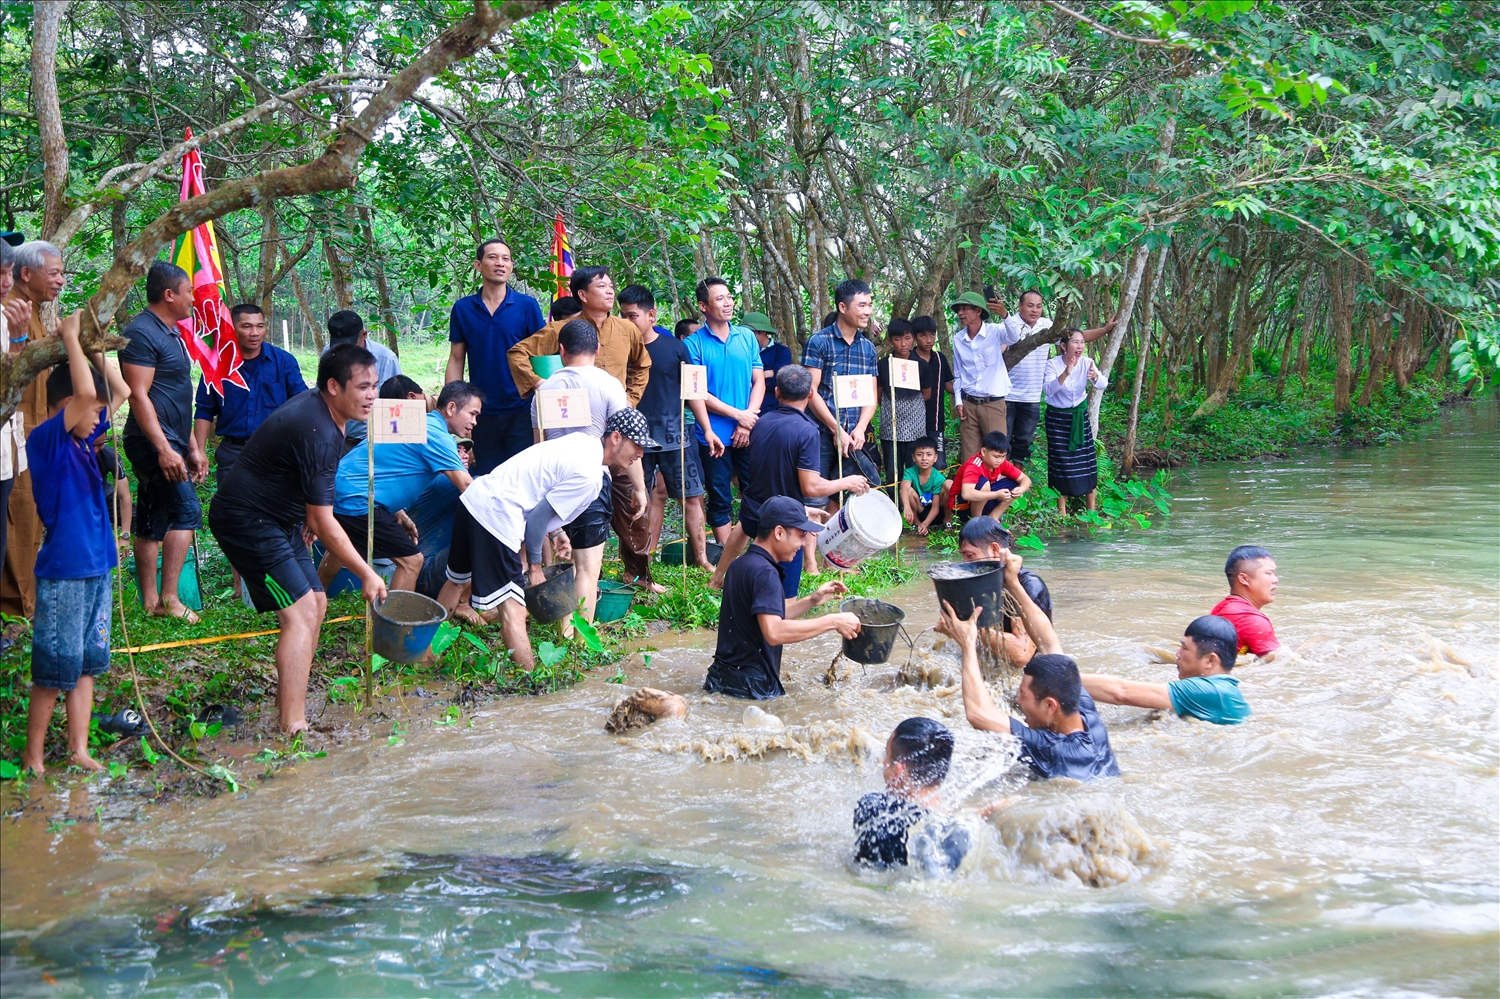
<point x="1343" y="841"/>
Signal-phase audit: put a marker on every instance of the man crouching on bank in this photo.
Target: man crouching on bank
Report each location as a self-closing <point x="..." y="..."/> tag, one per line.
<point x="756" y="619"/>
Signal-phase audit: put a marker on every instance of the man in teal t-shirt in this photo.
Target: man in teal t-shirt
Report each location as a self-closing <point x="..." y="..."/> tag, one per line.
<point x="1204" y="689"/>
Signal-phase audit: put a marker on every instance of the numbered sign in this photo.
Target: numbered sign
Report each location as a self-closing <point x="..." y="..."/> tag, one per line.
<point x="398" y="421"/>
<point x="906" y="374"/>
<point x="694" y="381"/>
<point x="853" y="391"/>
<point x="563" y="407"/>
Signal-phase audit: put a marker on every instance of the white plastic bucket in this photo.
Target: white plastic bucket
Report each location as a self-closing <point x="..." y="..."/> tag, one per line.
<point x="863" y="526"/>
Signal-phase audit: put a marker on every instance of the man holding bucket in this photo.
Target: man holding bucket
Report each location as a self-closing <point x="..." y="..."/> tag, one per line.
<point x="756" y="619"/>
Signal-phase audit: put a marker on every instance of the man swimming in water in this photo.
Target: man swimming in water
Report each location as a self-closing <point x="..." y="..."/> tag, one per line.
<point x="1203" y="688"/>
<point x="1063" y="735"/>
<point x="982" y="538"/>
<point x="1252" y="585"/>
<point x="916" y="762"/>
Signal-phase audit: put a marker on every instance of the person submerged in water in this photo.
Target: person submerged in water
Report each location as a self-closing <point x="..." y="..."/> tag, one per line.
<point x="1203" y="688"/>
<point x="1063" y="735"/>
<point x="983" y="539"/>
<point x="917" y="756"/>
<point x="1252" y="585"/>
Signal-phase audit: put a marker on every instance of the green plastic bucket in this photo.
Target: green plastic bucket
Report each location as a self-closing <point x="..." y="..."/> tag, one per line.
<point x="614" y="600"/>
<point x="547" y="365"/>
<point x="187" y="581"/>
<point x="672" y="552"/>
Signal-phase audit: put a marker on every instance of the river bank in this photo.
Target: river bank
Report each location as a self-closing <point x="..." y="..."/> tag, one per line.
<point x="1325" y="846"/>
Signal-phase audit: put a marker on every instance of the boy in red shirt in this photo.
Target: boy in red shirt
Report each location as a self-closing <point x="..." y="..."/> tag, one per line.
<point x="1252" y="585"/>
<point x="987" y="484"/>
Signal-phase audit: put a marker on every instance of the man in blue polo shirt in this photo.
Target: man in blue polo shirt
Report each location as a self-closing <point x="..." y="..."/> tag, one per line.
<point x="403" y="472"/>
<point x="481" y="328"/>
<point x="841" y="348"/>
<point x="736" y="385"/>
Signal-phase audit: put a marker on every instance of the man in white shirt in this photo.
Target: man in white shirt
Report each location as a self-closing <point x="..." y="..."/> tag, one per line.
<point x="1023" y="403"/>
<point x="980" y="381"/>
<point x="522" y="503"/>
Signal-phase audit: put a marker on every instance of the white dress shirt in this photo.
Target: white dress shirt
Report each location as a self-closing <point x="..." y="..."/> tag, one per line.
<point x="1026" y="375"/>
<point x="979" y="363"/>
<point x="1073" y="391"/>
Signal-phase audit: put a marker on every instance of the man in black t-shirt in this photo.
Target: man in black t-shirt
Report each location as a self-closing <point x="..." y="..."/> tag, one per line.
<point x="937" y="381"/>
<point x="281" y="488"/>
<point x="756" y="619"/>
<point x="785" y="460"/>
<point x="681" y="475"/>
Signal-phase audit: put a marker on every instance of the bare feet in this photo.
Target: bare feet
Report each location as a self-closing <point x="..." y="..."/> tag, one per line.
<point x="34" y="764"/>
<point x="467" y="615"/>
<point x="175" y="608"/>
<point x="293" y="728"/>
<point x="83" y="760"/>
<point x="706" y="565"/>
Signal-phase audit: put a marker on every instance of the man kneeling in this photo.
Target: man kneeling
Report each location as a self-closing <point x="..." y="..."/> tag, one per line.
<point x="756" y="619"/>
<point x="1203" y="688"/>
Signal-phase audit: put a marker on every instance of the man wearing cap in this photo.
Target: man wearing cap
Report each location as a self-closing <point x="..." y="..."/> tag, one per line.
<point x="481" y="328"/>
<point x="980" y="381"/>
<point x="522" y="503"/>
<point x="773" y="356"/>
<point x="756" y="619"/>
<point x="345" y="326"/>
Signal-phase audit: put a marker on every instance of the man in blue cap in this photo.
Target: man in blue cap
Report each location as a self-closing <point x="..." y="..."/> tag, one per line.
<point x="756" y="619"/>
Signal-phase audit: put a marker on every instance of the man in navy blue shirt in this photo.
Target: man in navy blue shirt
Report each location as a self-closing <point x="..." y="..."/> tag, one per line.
<point x="272" y="377"/>
<point x="1063" y="735"/>
<point x="784" y="461"/>
<point x="773" y="356"/>
<point x="481" y="328"/>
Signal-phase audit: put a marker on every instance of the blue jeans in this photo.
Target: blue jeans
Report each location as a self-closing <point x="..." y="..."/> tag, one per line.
<point x="70" y="636"/>
<point x="716" y="473"/>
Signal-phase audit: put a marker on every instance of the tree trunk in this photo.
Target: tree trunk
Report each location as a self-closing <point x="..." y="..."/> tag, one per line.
<point x="1127" y="459"/>
<point x="382" y="290"/>
<point x="308" y="317"/>
<point x="338" y="274"/>
<point x="270" y="242"/>
<point x="1340" y="293"/>
<point x="47" y="18"/>
<point x="1379" y="339"/>
<point x="1132" y="291"/>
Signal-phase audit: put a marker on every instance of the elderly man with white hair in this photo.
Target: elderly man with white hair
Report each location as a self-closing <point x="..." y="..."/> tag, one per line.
<point x="36" y="270"/>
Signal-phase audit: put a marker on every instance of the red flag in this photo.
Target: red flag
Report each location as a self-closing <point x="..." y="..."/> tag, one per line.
<point x="562" y="255"/>
<point x="208" y="334"/>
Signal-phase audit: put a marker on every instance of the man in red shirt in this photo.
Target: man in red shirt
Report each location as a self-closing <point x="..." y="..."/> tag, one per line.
<point x="987" y="483"/>
<point x="1252" y="585"/>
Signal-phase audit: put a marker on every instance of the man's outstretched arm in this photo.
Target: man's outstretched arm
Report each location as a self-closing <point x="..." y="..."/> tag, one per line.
<point x="1116" y="690"/>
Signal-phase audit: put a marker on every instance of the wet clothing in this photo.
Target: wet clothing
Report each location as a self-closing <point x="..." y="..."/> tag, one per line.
<point x="71" y="501"/>
<point x="289" y="464"/>
<point x="486" y="337"/>
<point x="566" y="473"/>
<point x="745" y="664"/>
<point x="883" y="835"/>
<point x="1081" y="755"/>
<point x="272" y="559"/>
<point x="1250" y="624"/>
<point x="391" y="539"/>
<point x="1214" y="699"/>
<point x="479" y="558"/>
<point x="272" y="377"/>
<point x="153" y="344"/>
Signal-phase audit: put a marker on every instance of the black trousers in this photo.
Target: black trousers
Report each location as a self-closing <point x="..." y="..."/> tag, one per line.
<point x="1023" y="418"/>
<point x="499" y="437"/>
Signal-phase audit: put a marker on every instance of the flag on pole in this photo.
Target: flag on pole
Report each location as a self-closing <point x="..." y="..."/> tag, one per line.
<point x="208" y="334"/>
<point x="562" y="255"/>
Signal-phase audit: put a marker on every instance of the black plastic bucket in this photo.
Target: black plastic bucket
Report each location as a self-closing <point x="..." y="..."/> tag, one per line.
<point x="404" y="625"/>
<point x="879" y="623"/>
<point x="964" y="584"/>
<point x="553" y="598"/>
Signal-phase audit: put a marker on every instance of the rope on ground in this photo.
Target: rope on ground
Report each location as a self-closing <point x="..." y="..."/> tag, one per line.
<point x="157" y="647"/>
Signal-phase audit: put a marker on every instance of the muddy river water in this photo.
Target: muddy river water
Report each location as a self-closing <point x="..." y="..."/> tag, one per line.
<point x="1343" y="841"/>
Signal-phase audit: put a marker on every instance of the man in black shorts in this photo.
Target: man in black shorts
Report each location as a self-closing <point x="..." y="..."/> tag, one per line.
<point x="524" y="502"/>
<point x="282" y="487"/>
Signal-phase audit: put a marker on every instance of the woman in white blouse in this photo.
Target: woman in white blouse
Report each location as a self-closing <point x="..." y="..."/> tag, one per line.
<point x="1072" y="463"/>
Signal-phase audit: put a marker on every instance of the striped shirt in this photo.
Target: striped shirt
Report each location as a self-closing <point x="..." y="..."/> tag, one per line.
<point x="830" y="353"/>
<point x="1026" y="375"/>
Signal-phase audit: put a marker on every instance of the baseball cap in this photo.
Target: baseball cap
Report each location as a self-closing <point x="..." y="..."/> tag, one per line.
<point x="632" y="424"/>
<point x="345" y="326"/>
<point x="784" y="511"/>
<point x="13" y="238"/>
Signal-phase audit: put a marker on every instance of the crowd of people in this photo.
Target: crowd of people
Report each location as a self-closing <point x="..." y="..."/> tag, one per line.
<point x="500" y="488"/>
